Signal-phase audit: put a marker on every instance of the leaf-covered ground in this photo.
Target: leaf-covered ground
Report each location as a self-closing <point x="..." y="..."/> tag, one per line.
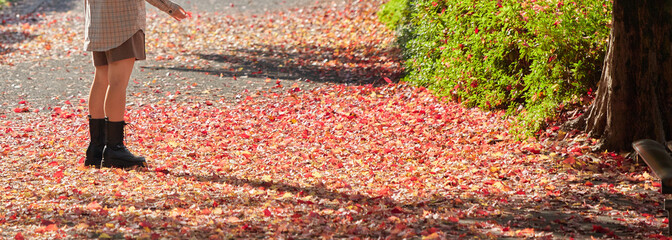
<point x="329" y="161"/>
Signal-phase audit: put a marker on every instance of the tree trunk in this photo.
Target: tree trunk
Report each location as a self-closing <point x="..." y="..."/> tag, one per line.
<point x="634" y="97"/>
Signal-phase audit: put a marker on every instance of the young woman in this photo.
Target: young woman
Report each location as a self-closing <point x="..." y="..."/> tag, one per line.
<point x="115" y="35"/>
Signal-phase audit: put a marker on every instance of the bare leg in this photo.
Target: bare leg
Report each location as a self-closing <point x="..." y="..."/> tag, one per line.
<point x="119" y="73"/>
<point x="116" y="154"/>
<point x="98" y="92"/>
<point x="94" y="153"/>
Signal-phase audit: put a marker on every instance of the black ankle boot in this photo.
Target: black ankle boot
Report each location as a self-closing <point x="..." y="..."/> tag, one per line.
<point x="115" y="153"/>
<point x="94" y="153"/>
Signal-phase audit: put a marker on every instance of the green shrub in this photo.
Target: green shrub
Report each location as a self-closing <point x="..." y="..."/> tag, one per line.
<point x="526" y="56"/>
<point x="392" y="13"/>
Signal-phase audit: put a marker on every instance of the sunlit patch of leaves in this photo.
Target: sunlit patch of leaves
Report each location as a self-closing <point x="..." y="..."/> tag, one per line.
<point x="335" y="161"/>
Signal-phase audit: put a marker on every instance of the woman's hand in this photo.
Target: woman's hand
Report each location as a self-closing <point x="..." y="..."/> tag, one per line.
<point x="180" y="14"/>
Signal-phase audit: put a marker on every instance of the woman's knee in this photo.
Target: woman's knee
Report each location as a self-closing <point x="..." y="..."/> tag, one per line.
<point x="101" y="73"/>
<point x="117" y="84"/>
<point x="119" y="72"/>
<point x="100" y="81"/>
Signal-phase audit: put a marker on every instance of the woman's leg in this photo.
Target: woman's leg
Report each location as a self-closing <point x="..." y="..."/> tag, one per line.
<point x="116" y="154"/>
<point x="98" y="92"/>
<point x="94" y="153"/>
<point x="119" y="73"/>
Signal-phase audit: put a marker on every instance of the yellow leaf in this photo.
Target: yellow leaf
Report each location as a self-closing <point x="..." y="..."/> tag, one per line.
<point x="525" y="232"/>
<point x="432" y="236"/>
<point x="646" y="175"/>
<point x="287" y="195"/>
<point x="104" y="235"/>
<point x="501" y="186"/>
<point x="82" y="226"/>
<point x="93" y="206"/>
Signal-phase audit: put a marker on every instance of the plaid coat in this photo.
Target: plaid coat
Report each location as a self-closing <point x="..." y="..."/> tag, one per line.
<point x="109" y="23"/>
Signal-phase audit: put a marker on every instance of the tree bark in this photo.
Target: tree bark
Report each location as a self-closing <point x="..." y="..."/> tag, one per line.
<point x="634" y="97"/>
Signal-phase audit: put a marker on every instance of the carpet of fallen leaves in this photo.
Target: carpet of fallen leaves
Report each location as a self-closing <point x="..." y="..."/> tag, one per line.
<point x="335" y="161"/>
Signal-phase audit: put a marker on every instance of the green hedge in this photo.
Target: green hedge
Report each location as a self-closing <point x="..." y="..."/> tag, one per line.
<point x="527" y="56"/>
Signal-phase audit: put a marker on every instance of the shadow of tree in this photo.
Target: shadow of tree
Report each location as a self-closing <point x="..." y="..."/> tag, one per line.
<point x="315" y="191"/>
<point x="335" y="214"/>
<point x="59" y="6"/>
<point x="336" y="65"/>
<point x="28" y="8"/>
<point x="547" y="214"/>
<point x="12" y="37"/>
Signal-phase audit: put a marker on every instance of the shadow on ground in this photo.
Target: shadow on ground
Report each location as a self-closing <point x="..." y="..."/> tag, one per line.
<point x="540" y="214"/>
<point x="371" y="217"/>
<point x="22" y="8"/>
<point x="12" y="37"/>
<point x="365" y="68"/>
<point x="59" y="6"/>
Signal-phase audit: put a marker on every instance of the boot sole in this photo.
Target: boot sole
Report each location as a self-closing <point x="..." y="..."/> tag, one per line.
<point x="96" y="165"/>
<point x="120" y="163"/>
<point x="96" y="162"/>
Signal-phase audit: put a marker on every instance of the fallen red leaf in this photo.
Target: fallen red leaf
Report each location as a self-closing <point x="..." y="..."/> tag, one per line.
<point x="21" y="110"/>
<point x="146" y="224"/>
<point x="19" y="236"/>
<point x="600" y="229"/>
<point x="570" y="160"/>
<point x="93" y="206"/>
<point x="58" y="174"/>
